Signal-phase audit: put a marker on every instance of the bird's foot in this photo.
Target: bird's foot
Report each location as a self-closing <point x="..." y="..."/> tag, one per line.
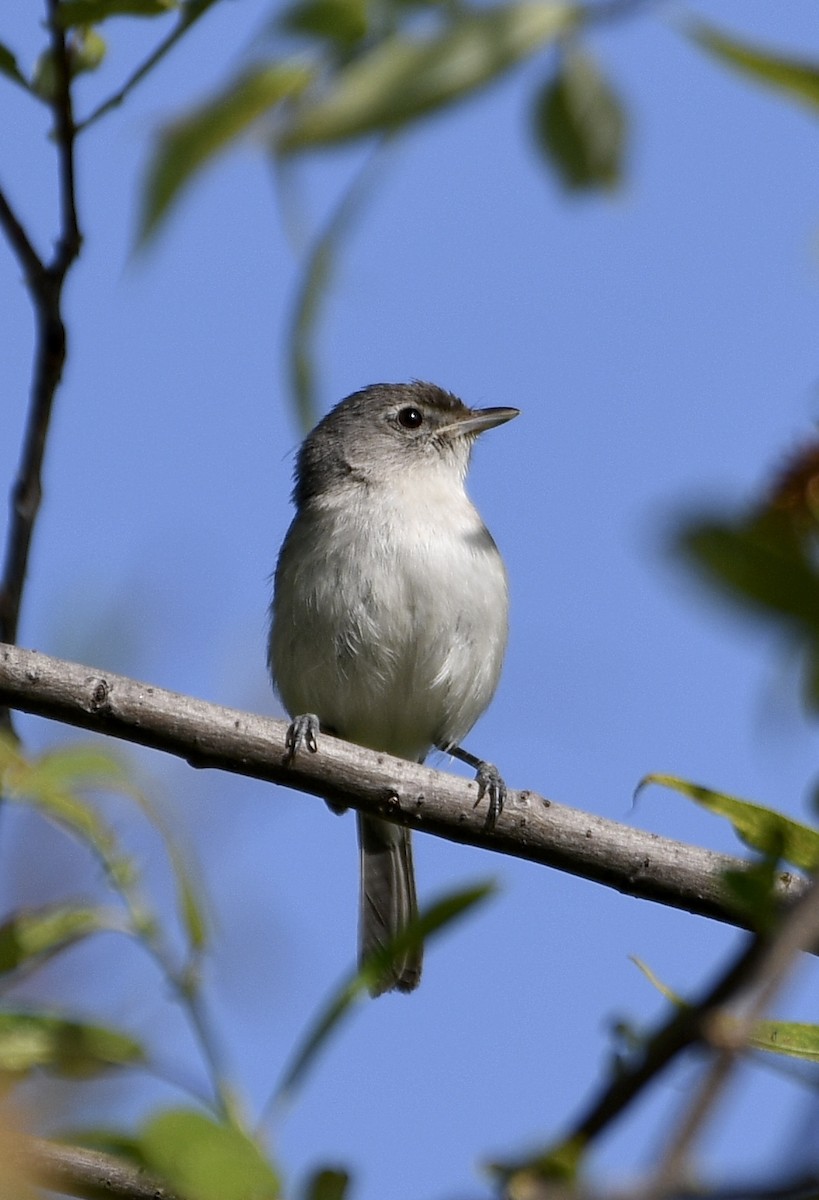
<point x="302" y="734"/>
<point x="490" y="783"/>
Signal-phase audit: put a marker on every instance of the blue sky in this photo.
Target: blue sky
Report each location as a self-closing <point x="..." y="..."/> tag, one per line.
<point x="662" y="347"/>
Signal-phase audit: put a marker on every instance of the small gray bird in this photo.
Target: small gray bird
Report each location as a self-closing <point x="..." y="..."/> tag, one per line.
<point x="389" y="616"/>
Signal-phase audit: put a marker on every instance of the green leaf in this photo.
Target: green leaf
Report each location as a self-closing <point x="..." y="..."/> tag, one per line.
<point x="35" y="934"/>
<point x="762" y="829"/>
<point x="759" y="563"/>
<point x="790" y="1038"/>
<point x="205" y="1160"/>
<point x="71" y="1048"/>
<point x="404" y="78"/>
<point x="431" y="921"/>
<point x="187" y="145"/>
<point x="559" y="1163"/>
<point x="46" y="784"/>
<point x="50" y="784"/>
<point x="797" y="77"/>
<point x="87" y="51"/>
<point x="44" y="76"/>
<point x="9" y="68"/>
<point x="92" y="12"/>
<point x="327" y="1184"/>
<point x="580" y="125"/>
<point x="753" y="892"/>
<point x="340" y="21"/>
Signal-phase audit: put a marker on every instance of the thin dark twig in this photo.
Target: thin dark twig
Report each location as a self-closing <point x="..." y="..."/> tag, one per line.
<point x="684" y="1029"/>
<point x="21" y="243"/>
<point x="45" y="284"/>
<point x="190" y="13"/>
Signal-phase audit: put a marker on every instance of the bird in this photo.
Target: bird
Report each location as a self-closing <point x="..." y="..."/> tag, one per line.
<point x="389" y="615"/>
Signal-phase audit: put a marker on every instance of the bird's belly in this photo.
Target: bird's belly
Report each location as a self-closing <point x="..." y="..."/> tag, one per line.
<point x="393" y="658"/>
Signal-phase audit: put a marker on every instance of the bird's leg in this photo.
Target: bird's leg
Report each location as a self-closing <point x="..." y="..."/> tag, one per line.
<point x="489" y="780"/>
<point x="302" y="733"/>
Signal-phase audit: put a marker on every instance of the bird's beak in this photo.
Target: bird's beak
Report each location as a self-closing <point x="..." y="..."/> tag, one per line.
<point x="479" y="419"/>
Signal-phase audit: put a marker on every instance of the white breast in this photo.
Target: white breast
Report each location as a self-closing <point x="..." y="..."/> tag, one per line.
<point x="390" y="615"/>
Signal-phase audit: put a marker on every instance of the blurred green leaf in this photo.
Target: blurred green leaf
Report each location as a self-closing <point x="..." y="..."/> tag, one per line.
<point x="758" y="562"/>
<point x="39" y="933"/>
<point x="580" y="125"/>
<point x="9" y="68"/>
<point x="761" y="828"/>
<point x="92" y="12"/>
<point x="791" y="1038"/>
<point x="88" y="50"/>
<point x="797" y="77"/>
<point x="810" y="678"/>
<point x="559" y="1163"/>
<point x="403" y="78"/>
<point x="50" y="784"/>
<point x="187" y="145"/>
<point x="46" y="783"/>
<point x="432" y="920"/>
<point x="327" y="1184"/>
<point x="71" y="1048"/>
<point x="753" y="892"/>
<point x="205" y="1160"/>
<point x="340" y="21"/>
<point x="44" y="76"/>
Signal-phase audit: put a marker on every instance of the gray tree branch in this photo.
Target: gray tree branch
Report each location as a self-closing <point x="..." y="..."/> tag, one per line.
<point x="638" y="864"/>
<point x="89" y="1174"/>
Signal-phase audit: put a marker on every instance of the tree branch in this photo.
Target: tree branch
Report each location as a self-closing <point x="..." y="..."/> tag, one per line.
<point x="639" y="864"/>
<point x="87" y="1173"/>
<point x="45" y="285"/>
<point x="21" y="243"/>
<point x="189" y="15"/>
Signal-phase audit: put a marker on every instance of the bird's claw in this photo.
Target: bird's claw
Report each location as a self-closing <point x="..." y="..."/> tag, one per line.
<point x="302" y="733"/>
<point x="490" y="783"/>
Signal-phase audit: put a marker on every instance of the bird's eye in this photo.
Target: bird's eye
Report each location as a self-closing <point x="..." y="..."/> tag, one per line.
<point x="410" y="418"/>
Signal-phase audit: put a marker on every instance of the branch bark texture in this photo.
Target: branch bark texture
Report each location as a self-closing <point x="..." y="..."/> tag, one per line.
<point x="636" y="863"/>
<point x="75" y="1171"/>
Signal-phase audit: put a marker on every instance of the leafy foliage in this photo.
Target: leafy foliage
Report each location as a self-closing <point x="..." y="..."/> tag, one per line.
<point x="404" y="78"/>
<point x="205" y="1159"/>
<point x="190" y="143"/>
<point x="9" y="67"/>
<point x="66" y="1047"/>
<point x="795" y="77"/>
<point x="55" y="785"/>
<point x="580" y="125"/>
<point x="767" y="559"/>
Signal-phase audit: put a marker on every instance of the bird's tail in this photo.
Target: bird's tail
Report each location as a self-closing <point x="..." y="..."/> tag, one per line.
<point x="388" y="902"/>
